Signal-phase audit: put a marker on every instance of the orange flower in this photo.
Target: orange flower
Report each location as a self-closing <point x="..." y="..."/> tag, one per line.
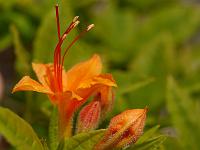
<point x="68" y="90"/>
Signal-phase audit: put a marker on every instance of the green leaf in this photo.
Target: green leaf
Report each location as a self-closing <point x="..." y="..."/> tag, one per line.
<point x="156" y="59"/>
<point x="130" y="83"/>
<point x="115" y="21"/>
<point x="152" y="144"/>
<point x="147" y="135"/>
<point x="84" y="141"/>
<point x="22" y="56"/>
<point x="53" y="130"/>
<point x="135" y="86"/>
<point x="184" y="113"/>
<point x="18" y="132"/>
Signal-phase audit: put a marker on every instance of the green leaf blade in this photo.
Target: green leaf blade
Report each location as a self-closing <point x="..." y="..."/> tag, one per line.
<point x="184" y="120"/>
<point x="84" y="141"/>
<point x="147" y="135"/>
<point x="151" y="144"/>
<point x="17" y="131"/>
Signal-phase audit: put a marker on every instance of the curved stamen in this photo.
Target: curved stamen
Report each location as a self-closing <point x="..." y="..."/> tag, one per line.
<point x="75" y="39"/>
<point x="58" y="62"/>
<point x="57" y="21"/>
<point x="72" y="43"/>
<point x="57" y="51"/>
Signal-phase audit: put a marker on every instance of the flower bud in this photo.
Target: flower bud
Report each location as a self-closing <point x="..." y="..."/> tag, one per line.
<point x="89" y="117"/>
<point x="124" y="129"/>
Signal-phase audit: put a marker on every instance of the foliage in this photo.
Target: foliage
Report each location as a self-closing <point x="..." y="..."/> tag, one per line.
<point x="18" y="132"/>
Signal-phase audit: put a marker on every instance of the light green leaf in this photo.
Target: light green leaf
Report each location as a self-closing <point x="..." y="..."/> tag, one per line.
<point x="83" y="141"/>
<point x="115" y="21"/>
<point x="53" y="130"/>
<point x="152" y="144"/>
<point x="18" y="132"/>
<point x="129" y="84"/>
<point x="147" y="135"/>
<point x="184" y="114"/>
<point x="135" y="86"/>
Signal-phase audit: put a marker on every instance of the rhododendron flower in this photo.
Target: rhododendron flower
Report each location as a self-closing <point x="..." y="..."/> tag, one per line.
<point x="68" y="90"/>
<point x="123" y="129"/>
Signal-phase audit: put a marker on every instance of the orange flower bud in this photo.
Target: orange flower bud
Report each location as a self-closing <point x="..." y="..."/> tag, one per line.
<point x="124" y="129"/>
<point x="89" y="117"/>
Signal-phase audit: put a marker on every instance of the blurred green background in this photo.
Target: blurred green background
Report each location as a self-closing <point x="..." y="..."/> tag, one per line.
<point x="151" y="47"/>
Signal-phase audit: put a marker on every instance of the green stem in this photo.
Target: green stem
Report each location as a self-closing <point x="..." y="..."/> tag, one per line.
<point x="65" y="123"/>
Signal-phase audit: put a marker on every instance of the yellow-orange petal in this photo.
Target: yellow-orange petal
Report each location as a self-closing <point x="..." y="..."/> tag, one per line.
<point x="28" y="84"/>
<point x="44" y="73"/>
<point x="82" y="71"/>
<point x="102" y="79"/>
<point x="73" y="95"/>
<point x="95" y="85"/>
<point x="40" y="71"/>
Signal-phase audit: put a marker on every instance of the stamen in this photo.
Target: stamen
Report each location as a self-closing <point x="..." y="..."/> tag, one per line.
<point x="90" y="27"/>
<point x="57" y="21"/>
<point x="75" y="18"/>
<point x="58" y="62"/>
<point x="76" y="23"/>
<point x="57" y="54"/>
<point x="75" y="39"/>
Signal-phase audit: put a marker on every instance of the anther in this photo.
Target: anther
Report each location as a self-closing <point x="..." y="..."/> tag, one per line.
<point x="75" y="18"/>
<point x="76" y="23"/>
<point x="90" y="27"/>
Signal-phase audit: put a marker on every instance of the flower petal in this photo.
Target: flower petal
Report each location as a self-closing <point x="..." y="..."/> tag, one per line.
<point x="103" y="79"/>
<point x="28" y="84"/>
<point x="94" y="85"/>
<point x="44" y="73"/>
<point x="82" y="71"/>
<point x="40" y="71"/>
<point x="106" y="95"/>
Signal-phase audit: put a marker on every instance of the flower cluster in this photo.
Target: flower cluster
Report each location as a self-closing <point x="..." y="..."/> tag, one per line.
<point x="69" y="90"/>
